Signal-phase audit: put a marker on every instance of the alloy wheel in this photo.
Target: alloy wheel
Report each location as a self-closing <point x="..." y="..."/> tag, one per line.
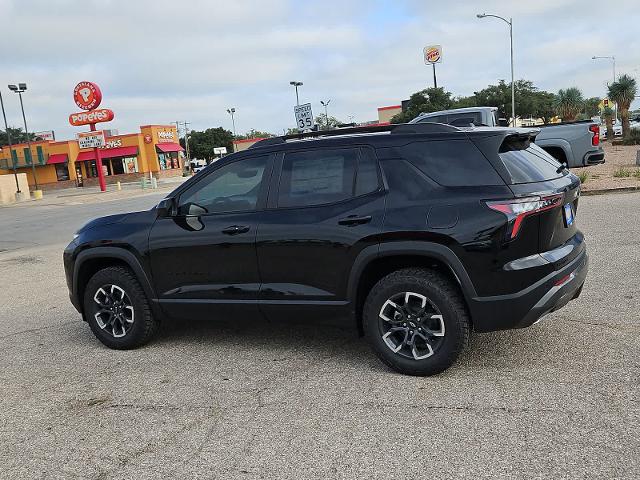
<point x="411" y="325"/>
<point x="115" y="313"/>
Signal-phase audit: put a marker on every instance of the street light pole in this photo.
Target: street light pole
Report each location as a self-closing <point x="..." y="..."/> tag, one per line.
<point x="22" y="87"/>
<point x="613" y="61"/>
<point x="6" y="128"/>
<point x="513" y="87"/>
<point x="231" y="111"/>
<point x="296" y="85"/>
<point x="326" y="115"/>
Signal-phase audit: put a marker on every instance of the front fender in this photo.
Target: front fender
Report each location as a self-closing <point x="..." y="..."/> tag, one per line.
<point x="117" y="253"/>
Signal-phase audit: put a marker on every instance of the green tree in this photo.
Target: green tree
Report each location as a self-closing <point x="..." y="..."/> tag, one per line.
<point x="201" y="144"/>
<point x="17" y="136"/>
<point x="569" y="103"/>
<point x="255" y="134"/>
<point x="321" y="120"/>
<point x="591" y="107"/>
<point x="425" y="101"/>
<point x="623" y="91"/>
<point x="530" y="101"/>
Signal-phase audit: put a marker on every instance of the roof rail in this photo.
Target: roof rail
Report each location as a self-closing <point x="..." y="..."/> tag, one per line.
<point x="399" y="128"/>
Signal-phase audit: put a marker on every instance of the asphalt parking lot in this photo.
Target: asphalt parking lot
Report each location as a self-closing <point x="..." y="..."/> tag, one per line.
<point x="253" y="400"/>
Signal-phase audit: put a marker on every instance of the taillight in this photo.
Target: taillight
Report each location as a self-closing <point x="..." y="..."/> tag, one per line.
<point x="518" y="209"/>
<point x="595" y="140"/>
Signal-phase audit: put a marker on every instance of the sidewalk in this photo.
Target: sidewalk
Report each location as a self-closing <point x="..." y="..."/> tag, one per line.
<point x="81" y="195"/>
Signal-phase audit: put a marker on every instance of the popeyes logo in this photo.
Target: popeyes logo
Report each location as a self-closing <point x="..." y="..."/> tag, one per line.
<point x="94" y="116"/>
<point x="87" y="95"/>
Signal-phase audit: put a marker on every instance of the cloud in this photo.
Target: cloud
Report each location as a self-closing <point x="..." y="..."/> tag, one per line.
<point x="162" y="61"/>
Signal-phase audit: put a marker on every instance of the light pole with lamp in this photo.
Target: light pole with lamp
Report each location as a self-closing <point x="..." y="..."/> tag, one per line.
<point x="19" y="89"/>
<point x="6" y="127"/>
<point x="296" y="85"/>
<point x="513" y="87"/>
<point x="232" y="111"/>
<point x="326" y="115"/>
<point x="613" y="62"/>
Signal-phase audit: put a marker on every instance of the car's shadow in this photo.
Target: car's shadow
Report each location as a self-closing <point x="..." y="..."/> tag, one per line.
<point x="343" y="344"/>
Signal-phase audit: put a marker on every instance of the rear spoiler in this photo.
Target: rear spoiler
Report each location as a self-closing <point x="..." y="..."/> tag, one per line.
<point x="519" y="139"/>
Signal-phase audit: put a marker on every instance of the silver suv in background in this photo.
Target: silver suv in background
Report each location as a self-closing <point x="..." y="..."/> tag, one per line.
<point x="576" y="144"/>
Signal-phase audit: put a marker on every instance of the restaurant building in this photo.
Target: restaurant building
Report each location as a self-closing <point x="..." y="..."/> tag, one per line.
<point x="128" y="157"/>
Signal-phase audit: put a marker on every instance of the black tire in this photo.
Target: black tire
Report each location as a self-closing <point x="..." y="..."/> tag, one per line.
<point x="142" y="326"/>
<point x="444" y="303"/>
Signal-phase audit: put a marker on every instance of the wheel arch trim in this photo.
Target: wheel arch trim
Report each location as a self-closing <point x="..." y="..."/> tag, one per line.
<point x="117" y="253"/>
<point x="425" y="249"/>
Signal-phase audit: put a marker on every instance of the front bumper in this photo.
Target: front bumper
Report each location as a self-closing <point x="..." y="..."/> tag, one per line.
<point x="526" y="307"/>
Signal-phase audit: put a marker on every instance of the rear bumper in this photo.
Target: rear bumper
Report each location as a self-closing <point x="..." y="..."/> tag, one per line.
<point x="526" y="307"/>
<point x="594" y="158"/>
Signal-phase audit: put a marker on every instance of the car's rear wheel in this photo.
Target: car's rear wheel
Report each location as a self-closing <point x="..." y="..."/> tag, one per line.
<point x="416" y="321"/>
<point x="117" y="309"/>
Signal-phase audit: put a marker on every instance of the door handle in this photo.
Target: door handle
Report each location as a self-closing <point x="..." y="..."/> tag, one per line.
<point x="354" y="220"/>
<point x="235" y="229"/>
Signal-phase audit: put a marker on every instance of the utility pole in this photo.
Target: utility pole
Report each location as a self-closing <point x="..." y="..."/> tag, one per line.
<point x="326" y="115"/>
<point x="6" y="128"/>
<point x="186" y="140"/>
<point x="22" y="87"/>
<point x="296" y="84"/>
<point x="513" y="87"/>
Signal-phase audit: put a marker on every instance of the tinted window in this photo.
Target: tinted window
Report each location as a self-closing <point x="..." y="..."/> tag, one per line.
<point x="231" y="188"/>
<point x="464" y="119"/>
<point x="452" y="163"/>
<point x="316" y="177"/>
<point x="367" y="177"/>
<point x="532" y="164"/>
<point x="436" y="119"/>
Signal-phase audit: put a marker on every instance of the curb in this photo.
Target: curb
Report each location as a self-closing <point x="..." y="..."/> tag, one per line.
<point x="604" y="191"/>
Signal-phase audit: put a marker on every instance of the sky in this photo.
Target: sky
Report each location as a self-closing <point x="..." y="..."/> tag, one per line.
<point x="160" y="61"/>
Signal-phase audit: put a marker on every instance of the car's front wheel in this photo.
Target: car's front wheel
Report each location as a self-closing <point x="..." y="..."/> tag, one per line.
<point x="416" y="321"/>
<point x="117" y="309"/>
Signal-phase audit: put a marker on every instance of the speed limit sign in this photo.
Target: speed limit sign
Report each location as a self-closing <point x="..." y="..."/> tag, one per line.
<point x="304" y="117"/>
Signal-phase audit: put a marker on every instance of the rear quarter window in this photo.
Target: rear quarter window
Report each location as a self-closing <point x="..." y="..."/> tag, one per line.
<point x="531" y="164"/>
<point x="451" y="163"/>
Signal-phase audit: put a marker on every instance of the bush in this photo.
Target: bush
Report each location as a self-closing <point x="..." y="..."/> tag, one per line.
<point x="622" y="173"/>
<point x="583" y="176"/>
<point x="633" y="138"/>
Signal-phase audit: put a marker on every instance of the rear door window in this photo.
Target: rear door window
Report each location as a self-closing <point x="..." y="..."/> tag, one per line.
<point x="531" y="164"/>
<point x="452" y="163"/>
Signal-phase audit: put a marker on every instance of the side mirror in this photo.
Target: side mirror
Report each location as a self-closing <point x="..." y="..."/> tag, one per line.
<point x="166" y="207"/>
<point x="503" y="122"/>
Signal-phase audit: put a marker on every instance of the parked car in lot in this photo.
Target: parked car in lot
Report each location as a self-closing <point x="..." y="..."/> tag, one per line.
<point x="414" y="234"/>
<point x="576" y="144"/>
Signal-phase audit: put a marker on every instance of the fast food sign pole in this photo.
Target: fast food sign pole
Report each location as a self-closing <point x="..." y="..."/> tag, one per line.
<point x="433" y="55"/>
<point x="88" y="96"/>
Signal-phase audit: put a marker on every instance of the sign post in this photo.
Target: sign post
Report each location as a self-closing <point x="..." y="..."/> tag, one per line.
<point x="433" y="55"/>
<point x="88" y="96"/>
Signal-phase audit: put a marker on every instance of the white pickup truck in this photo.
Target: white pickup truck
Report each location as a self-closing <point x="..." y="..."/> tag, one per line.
<point x="576" y="144"/>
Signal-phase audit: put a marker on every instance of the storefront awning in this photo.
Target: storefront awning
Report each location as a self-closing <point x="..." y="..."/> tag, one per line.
<point x="57" y="158"/>
<point x="108" y="153"/>
<point x="169" y="147"/>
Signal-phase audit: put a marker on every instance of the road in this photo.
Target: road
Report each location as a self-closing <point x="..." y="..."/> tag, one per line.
<point x="253" y="400"/>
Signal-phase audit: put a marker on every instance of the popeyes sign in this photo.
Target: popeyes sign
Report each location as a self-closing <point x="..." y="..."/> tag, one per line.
<point x="93" y="116"/>
<point x="88" y="96"/>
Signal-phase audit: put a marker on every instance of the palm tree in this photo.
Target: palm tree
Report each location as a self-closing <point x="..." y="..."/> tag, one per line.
<point x="623" y="92"/>
<point x="569" y="103"/>
<point x="607" y="113"/>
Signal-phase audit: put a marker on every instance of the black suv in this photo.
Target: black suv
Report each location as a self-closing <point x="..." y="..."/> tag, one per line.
<point x="415" y="234"/>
